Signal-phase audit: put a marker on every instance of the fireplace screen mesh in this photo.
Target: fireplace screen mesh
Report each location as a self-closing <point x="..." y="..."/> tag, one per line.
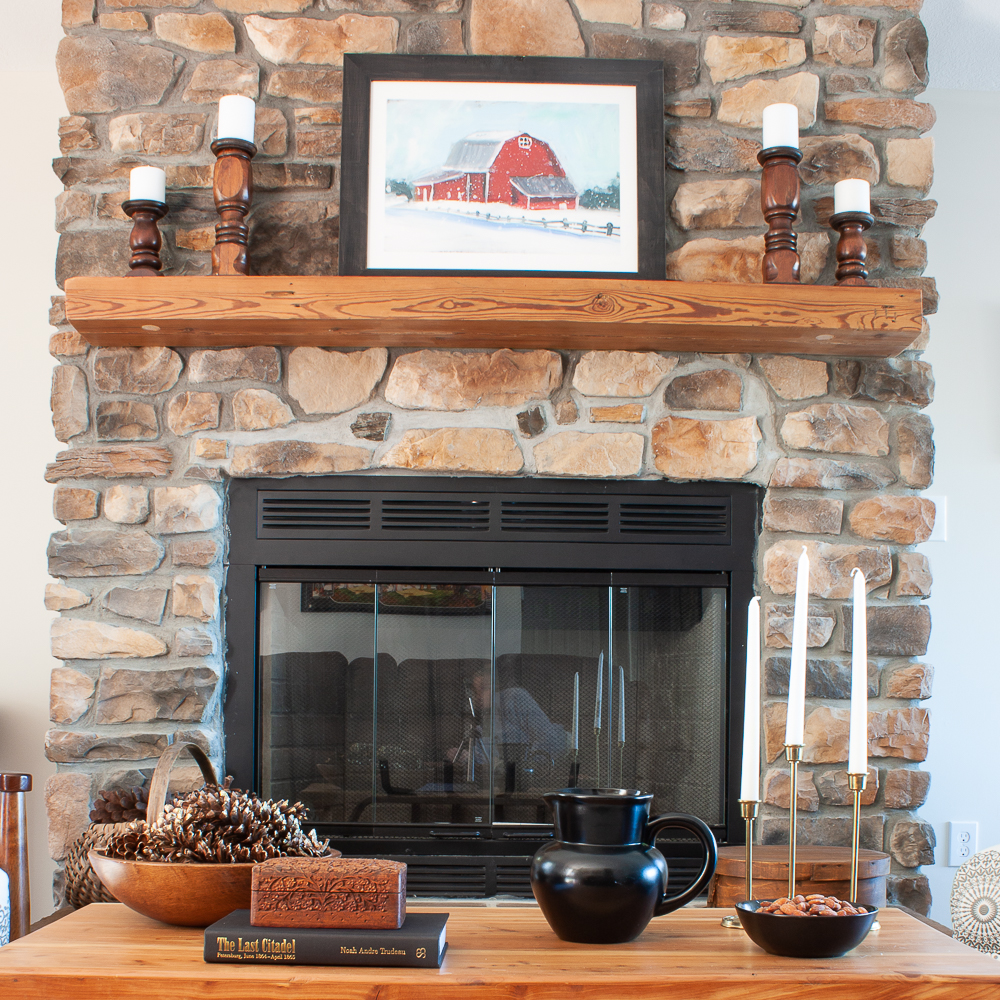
<point x="461" y="703"/>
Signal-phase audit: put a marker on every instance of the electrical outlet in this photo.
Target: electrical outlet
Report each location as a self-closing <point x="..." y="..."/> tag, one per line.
<point x="963" y="842"/>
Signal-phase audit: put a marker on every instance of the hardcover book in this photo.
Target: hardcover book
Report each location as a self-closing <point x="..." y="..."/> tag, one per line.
<point x="419" y="943"/>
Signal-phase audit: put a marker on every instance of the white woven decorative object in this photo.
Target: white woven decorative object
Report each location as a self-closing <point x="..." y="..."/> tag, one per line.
<point x="975" y="902"/>
<point x="4" y="908"/>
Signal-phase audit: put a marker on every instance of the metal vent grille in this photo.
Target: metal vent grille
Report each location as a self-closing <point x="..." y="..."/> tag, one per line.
<point x="514" y="880"/>
<point x="435" y="515"/>
<point x="666" y="517"/>
<point x="554" y="516"/>
<point x="291" y="513"/>
<point x="430" y="879"/>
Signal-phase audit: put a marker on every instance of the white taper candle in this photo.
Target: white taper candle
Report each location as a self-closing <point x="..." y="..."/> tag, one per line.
<point x="857" y="754"/>
<point x="750" y="780"/>
<point x="795" y="723"/>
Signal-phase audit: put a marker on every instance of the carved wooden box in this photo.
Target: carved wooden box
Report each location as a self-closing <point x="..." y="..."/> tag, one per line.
<point x="328" y="892"/>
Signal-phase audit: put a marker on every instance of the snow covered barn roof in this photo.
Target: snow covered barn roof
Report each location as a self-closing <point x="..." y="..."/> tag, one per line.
<point x="476" y="152"/>
<point x="544" y="186"/>
<point x="439" y="177"/>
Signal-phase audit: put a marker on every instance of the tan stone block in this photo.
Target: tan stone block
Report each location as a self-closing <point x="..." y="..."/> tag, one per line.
<point x="67" y="803"/>
<point x="110" y="462"/>
<point x="271" y="131"/>
<point x="282" y="176"/>
<point x="827" y="474"/>
<point x="457" y="449"/>
<point x="145" y="603"/>
<point x="66" y="747"/>
<point x="124" y="21"/>
<point x="913" y="6"/>
<point x="296" y="458"/>
<point x="787" y="3"/>
<point x="679" y="56"/>
<point x="699" y="107"/>
<point x="914" y="681"/>
<point x="156" y="4"/>
<point x="136" y="369"/>
<point x="775" y="716"/>
<point x="627" y="413"/>
<point x="71" y="503"/>
<point x="601" y="454"/>
<point x="317" y="132"/>
<point x="627" y="12"/>
<point x="181" y="694"/>
<point x="844" y="40"/>
<point x="908" y="252"/>
<point x="524" y="28"/>
<point x="193" y="411"/>
<point x="199" y="32"/>
<point x="706" y="449"/>
<point x="913" y="575"/>
<point x="260" y="409"/>
<point x="264" y="6"/>
<point x="59" y="597"/>
<point x="834" y="788"/>
<point x="906" y="520"/>
<point x="891" y="112"/>
<point x="216" y="78"/>
<point x="912" y="843"/>
<point x="125" y="420"/>
<point x="826" y="735"/>
<point x="795" y="378"/>
<point x="72" y="206"/>
<point x="318" y="86"/>
<point x="157" y="134"/>
<point x="729" y="58"/>
<point x="778" y="789"/>
<point x="69" y="402"/>
<point x="76" y="132"/>
<point x="73" y="639"/>
<point x="466" y="380"/>
<point x="829" y="567"/>
<point x="67" y="344"/>
<point x="195" y="596"/>
<point x="899" y="732"/>
<point x="70" y="692"/>
<point x="904" y="50"/>
<point x="210" y="448"/>
<point x="201" y="552"/>
<point x="915" y="450"/>
<point x="181" y="509"/>
<point x="109" y="205"/>
<point x="827" y="159"/>
<point x="810" y="515"/>
<point x="745" y="105"/>
<point x="102" y="553"/>
<point x="740" y="260"/>
<point x="621" y="373"/>
<point x="837" y="427"/>
<point x="711" y="150"/>
<point x="716" y="389"/>
<point x="201" y="239"/>
<point x="910" y="162"/>
<point x="665" y="16"/>
<point x="263" y="364"/>
<point x="717" y="205"/>
<point x="188" y="175"/>
<point x="193" y="641"/>
<point x="778" y="627"/>
<point x="310" y="40"/>
<point x="126" y="504"/>
<point x="334" y="381"/>
<point x="77" y="13"/>
<point x="441" y="37"/>
<point x="566" y="412"/>
<point x="906" y="789"/>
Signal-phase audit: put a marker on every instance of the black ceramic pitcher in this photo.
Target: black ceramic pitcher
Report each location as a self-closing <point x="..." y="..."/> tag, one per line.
<point x="601" y="880"/>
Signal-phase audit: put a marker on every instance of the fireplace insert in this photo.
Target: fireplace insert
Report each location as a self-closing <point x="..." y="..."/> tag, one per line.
<point x="419" y="660"/>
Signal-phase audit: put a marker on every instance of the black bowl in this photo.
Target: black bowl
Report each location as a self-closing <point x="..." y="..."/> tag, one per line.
<point x="804" y="937"/>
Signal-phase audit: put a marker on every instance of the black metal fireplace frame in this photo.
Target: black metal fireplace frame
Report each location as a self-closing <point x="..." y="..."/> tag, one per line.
<point x="298" y="527"/>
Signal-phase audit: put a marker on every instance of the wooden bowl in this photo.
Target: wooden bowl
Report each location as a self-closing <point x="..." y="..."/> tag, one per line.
<point x="804" y="937"/>
<point x="185" y="894"/>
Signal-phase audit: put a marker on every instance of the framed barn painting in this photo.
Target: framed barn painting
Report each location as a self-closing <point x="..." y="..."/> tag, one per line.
<point x="502" y="165"/>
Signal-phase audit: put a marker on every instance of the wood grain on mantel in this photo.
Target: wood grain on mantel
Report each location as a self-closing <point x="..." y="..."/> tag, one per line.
<point x="559" y="313"/>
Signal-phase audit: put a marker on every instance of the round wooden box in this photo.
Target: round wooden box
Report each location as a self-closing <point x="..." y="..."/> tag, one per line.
<point x="817" y="869"/>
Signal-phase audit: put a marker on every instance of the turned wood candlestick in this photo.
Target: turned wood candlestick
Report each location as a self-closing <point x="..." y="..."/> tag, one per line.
<point x="779" y="200"/>
<point x="145" y="238"/>
<point x="14" y="849"/>
<point x="233" y="190"/>
<point x="851" y="249"/>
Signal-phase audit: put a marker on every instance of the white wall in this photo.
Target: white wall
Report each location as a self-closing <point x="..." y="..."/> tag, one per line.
<point x="27" y="254"/>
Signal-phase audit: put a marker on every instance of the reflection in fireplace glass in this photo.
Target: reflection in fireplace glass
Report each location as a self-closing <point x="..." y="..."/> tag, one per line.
<point x="428" y="703"/>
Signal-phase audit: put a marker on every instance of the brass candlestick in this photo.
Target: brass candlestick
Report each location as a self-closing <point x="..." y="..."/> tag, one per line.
<point x="793" y="754"/>
<point x="748" y="810"/>
<point x="144" y="240"/>
<point x="779" y="201"/>
<point x="233" y="189"/>
<point x="851" y="249"/>
<point x="857" y="783"/>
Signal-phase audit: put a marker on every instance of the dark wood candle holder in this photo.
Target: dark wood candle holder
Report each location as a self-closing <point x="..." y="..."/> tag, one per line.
<point x="779" y="200"/>
<point x="14" y="849"/>
<point x="233" y="190"/>
<point x="145" y="238"/>
<point x="851" y="249"/>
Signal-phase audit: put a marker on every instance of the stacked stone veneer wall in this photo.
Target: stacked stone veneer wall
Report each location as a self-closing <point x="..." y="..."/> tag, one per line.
<point x="154" y="433"/>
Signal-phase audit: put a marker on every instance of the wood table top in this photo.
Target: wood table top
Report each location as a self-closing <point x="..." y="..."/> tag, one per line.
<point x="106" y="951"/>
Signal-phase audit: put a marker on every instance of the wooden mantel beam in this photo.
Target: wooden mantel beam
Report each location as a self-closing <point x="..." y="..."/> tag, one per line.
<point x="490" y="312"/>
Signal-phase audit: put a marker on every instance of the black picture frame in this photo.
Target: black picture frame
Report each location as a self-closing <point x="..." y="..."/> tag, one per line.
<point x="645" y="76"/>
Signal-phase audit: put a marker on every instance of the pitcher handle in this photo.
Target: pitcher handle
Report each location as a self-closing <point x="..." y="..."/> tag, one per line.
<point x="693" y="825"/>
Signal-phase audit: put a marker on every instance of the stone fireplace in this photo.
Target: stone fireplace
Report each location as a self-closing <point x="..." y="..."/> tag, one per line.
<point x="155" y="435"/>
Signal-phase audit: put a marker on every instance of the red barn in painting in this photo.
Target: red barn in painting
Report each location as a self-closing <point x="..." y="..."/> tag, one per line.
<point x="512" y="168"/>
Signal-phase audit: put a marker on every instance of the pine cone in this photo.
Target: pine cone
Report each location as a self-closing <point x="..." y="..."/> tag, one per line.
<point x="119" y="806"/>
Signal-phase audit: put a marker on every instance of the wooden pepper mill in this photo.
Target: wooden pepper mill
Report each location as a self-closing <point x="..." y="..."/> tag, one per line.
<point x="144" y="239"/>
<point x="233" y="189"/>
<point x="779" y="201"/>
<point x="14" y="849"/>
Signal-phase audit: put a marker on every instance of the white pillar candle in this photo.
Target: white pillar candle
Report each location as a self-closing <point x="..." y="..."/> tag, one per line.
<point x="795" y="723"/>
<point x="237" y="116"/>
<point x="576" y="711"/>
<point x="781" y="126"/>
<point x="851" y="196"/>
<point x="750" y="782"/>
<point x="599" y="704"/>
<point x="621" y="704"/>
<point x="857" y="754"/>
<point x="147" y="184"/>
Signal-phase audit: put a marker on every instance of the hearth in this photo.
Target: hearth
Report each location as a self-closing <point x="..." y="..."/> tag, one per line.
<point x="420" y="659"/>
